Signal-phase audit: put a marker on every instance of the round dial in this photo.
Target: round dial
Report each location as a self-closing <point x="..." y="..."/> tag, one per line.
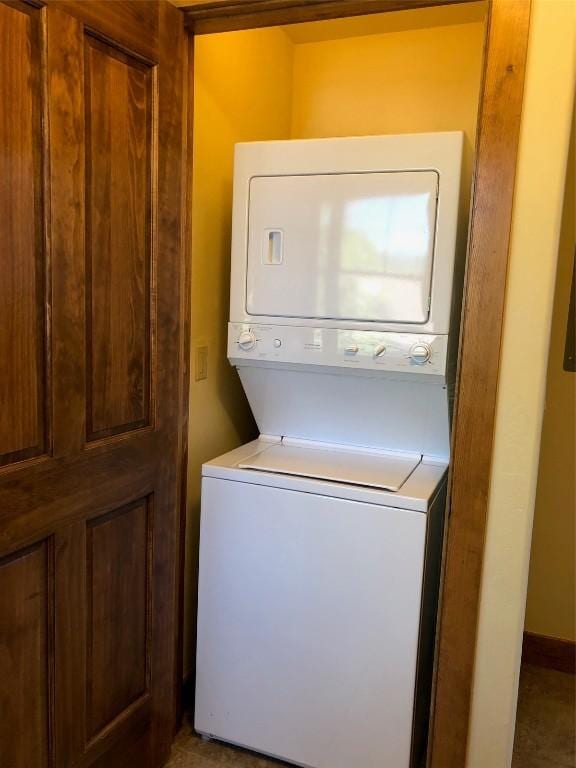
<point x="420" y="353"/>
<point x="380" y="350"/>
<point x="247" y="341"/>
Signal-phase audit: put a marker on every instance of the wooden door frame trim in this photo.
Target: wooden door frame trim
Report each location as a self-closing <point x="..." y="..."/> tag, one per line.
<point x="186" y="312"/>
<point x="478" y="371"/>
<point x="482" y="321"/>
<point x="206" y="16"/>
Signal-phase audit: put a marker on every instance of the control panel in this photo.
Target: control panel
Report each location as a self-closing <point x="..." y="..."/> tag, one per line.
<point x="364" y="350"/>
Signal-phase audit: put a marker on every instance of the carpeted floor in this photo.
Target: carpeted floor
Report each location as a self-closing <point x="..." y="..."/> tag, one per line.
<point x="546" y="720"/>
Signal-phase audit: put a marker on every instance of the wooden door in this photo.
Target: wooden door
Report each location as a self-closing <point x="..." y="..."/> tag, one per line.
<point x="92" y="379"/>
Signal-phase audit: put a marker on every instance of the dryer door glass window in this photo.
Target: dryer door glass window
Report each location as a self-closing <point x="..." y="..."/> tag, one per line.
<point x="356" y="246"/>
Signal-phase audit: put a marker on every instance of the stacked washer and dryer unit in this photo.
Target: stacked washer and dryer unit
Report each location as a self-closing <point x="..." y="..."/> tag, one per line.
<point x="321" y="540"/>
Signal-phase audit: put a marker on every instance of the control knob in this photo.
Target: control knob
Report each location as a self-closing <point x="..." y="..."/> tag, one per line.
<point x="247" y="341"/>
<point x="420" y="353"/>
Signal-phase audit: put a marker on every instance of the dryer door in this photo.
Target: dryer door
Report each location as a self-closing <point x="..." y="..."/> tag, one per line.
<point x="355" y="246"/>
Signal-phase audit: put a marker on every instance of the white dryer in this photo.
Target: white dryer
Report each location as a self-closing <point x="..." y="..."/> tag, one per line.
<point x="321" y="542"/>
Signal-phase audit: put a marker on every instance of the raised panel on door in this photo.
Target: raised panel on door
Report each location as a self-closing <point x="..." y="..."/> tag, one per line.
<point x="25" y="658"/>
<point x="23" y="431"/>
<point x="119" y="108"/>
<point x="119" y="559"/>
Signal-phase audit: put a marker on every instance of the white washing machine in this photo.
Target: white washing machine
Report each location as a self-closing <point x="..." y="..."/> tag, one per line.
<point x="321" y="541"/>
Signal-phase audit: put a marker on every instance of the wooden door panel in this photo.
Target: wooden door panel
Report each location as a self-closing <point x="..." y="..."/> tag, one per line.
<point x="134" y="25"/>
<point x="93" y="323"/>
<point x="66" y="184"/>
<point x="119" y="557"/>
<point x="77" y="633"/>
<point x="95" y="482"/>
<point x="23" y="431"/>
<point x="120" y="142"/>
<point x="133" y="749"/>
<point x="25" y="658"/>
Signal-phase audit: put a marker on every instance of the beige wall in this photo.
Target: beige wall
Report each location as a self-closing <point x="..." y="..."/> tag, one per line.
<point x="242" y="92"/>
<point x="551" y="605"/>
<point x="529" y="298"/>
<point x="407" y="81"/>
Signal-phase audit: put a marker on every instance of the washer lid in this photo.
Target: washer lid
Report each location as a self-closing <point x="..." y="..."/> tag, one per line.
<point x="375" y="470"/>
